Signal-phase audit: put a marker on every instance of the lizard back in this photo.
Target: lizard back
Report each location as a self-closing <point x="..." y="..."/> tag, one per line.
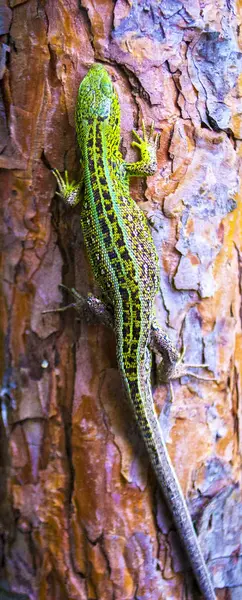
<point x="117" y="237"/>
<point x="125" y="264"/>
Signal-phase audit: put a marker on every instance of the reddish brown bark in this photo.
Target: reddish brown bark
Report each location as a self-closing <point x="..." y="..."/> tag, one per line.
<point x="81" y="515"/>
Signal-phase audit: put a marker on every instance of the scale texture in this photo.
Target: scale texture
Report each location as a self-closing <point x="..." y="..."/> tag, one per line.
<point x="125" y="264"/>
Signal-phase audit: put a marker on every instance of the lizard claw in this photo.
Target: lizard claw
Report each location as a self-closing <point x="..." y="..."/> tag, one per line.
<point x="181" y="369"/>
<point x="69" y="191"/>
<point x="144" y="131"/>
<point x="150" y="139"/>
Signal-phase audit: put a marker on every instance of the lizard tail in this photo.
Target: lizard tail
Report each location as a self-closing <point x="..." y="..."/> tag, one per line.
<point x="142" y="401"/>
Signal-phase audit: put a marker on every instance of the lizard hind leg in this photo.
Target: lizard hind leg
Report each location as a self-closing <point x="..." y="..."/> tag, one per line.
<point x="90" y="307"/>
<point x="172" y="365"/>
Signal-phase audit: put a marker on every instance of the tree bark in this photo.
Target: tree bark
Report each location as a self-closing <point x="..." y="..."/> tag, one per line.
<point x="81" y="516"/>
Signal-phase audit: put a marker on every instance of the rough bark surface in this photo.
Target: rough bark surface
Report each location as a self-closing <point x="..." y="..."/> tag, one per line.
<point x="81" y="515"/>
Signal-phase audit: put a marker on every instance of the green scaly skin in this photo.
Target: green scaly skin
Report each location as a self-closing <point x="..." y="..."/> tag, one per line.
<point x="125" y="263"/>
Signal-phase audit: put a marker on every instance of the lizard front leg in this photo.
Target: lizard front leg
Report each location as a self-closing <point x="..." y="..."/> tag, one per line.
<point x="148" y="148"/>
<point x="91" y="308"/>
<point x="69" y="191"/>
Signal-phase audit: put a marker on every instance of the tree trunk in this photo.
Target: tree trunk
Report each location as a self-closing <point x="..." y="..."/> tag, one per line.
<point x="82" y="517"/>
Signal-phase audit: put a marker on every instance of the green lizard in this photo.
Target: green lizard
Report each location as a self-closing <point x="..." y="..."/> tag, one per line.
<point x="125" y="263"/>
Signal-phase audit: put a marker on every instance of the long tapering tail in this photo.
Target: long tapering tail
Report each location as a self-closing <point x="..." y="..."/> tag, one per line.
<point x="152" y="434"/>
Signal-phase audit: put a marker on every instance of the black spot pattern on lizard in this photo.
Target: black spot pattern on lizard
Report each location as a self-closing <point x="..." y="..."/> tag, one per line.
<point x="125" y="263"/>
<point x="114" y="246"/>
<point x="120" y="247"/>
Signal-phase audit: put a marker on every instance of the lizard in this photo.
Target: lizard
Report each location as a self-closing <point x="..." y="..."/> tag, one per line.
<point x="125" y="264"/>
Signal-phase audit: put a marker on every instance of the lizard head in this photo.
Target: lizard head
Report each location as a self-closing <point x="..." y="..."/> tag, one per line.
<point x="96" y="94"/>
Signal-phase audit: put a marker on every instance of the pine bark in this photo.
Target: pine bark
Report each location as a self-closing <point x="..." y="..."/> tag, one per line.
<point x="81" y="516"/>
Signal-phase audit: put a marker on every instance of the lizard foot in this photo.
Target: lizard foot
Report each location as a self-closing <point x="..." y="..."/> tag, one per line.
<point x="92" y="308"/>
<point x="171" y="365"/>
<point x="147" y="145"/>
<point x="69" y="192"/>
<point x="148" y="141"/>
<point x="177" y="369"/>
